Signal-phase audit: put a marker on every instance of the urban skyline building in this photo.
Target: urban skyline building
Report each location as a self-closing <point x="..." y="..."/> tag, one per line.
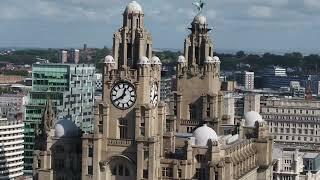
<point x="11" y="148"/>
<point x="293" y="121"/>
<point x="71" y="88"/>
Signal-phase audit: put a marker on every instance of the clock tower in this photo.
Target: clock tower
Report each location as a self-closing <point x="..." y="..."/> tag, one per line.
<point x="197" y="97"/>
<point x="129" y="121"/>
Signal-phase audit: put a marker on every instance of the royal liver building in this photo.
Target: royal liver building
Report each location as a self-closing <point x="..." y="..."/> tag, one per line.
<point x="138" y="137"/>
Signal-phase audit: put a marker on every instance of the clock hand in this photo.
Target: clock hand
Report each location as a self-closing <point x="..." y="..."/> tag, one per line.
<point x="122" y="96"/>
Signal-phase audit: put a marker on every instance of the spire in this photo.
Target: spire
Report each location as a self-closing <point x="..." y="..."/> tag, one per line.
<point x="48" y="116"/>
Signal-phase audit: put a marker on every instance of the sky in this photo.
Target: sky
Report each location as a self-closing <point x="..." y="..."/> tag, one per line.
<point x="284" y="25"/>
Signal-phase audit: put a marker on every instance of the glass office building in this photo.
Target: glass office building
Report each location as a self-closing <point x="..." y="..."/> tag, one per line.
<point x="70" y="87"/>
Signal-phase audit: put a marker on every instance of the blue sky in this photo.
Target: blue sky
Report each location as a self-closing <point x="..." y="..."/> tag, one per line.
<point x="238" y="24"/>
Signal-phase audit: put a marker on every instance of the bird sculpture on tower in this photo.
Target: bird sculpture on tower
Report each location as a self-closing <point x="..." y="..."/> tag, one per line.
<point x="199" y="5"/>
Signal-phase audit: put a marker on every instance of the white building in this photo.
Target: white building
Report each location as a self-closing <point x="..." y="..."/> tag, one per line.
<point x="278" y="71"/>
<point x="8" y="102"/>
<point x="11" y="148"/>
<point x="249" y="80"/>
<point x="293" y="121"/>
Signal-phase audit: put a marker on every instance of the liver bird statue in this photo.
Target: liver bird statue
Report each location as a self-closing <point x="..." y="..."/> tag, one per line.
<point x="199" y="5"/>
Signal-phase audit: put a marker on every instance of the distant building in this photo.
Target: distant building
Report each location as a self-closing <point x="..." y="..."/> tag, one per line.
<point x="249" y="80"/>
<point x="245" y="79"/>
<point x="8" y="79"/>
<point x="72" y="56"/>
<point x="165" y="88"/>
<point x="11" y="149"/>
<point x="71" y="89"/>
<point x="8" y="102"/>
<point x="292" y="164"/>
<point x="64" y="56"/>
<point x="296" y="90"/>
<point x="75" y="56"/>
<point x="293" y="121"/>
<point x="275" y="71"/>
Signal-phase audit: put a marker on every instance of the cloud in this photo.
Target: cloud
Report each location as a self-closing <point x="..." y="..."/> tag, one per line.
<point x="164" y="18"/>
<point x="260" y="12"/>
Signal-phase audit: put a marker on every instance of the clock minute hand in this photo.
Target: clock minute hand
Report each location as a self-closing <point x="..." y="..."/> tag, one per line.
<point x="122" y="96"/>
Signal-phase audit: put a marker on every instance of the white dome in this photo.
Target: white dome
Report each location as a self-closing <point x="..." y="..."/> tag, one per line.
<point x="181" y="59"/>
<point x="155" y="60"/>
<point x="66" y="128"/>
<point x="203" y="134"/>
<point x="209" y="60"/>
<point x="251" y="118"/>
<point x="216" y="59"/>
<point x="109" y="60"/>
<point x="200" y="19"/>
<point x="144" y="60"/>
<point x="133" y="7"/>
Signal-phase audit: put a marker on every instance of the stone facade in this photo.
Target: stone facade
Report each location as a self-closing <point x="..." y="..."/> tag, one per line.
<point x="143" y="142"/>
<point x="136" y="136"/>
<point x="293" y="121"/>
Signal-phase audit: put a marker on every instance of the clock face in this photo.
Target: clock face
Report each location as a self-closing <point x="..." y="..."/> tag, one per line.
<point x="123" y="95"/>
<point x="154" y="94"/>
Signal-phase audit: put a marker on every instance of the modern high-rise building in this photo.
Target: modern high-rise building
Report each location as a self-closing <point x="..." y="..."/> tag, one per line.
<point x="11" y="148"/>
<point x="64" y="56"/>
<point x="71" y="88"/>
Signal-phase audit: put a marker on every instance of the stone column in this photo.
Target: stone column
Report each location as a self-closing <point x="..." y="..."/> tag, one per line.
<point x="140" y="159"/>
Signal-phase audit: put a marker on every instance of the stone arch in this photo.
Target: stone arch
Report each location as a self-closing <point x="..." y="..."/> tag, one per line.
<point x="121" y="168"/>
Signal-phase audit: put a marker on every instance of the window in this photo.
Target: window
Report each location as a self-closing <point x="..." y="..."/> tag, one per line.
<point x="192" y="112"/>
<point x="201" y="158"/>
<point x="167" y="172"/>
<point x="123" y="127"/>
<point x="145" y="173"/>
<point x="179" y="173"/>
<point x="120" y="170"/>
<point x="200" y="173"/>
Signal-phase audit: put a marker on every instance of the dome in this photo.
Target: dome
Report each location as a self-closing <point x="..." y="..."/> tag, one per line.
<point x="155" y="60"/>
<point x="133" y="7"/>
<point x="203" y="134"/>
<point x="200" y="19"/>
<point x="109" y="60"/>
<point x="209" y="60"/>
<point x="216" y="59"/>
<point x="251" y="118"/>
<point x="66" y="128"/>
<point x="181" y="59"/>
<point x="144" y="60"/>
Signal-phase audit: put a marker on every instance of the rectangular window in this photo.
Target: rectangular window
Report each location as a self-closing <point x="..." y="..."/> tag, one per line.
<point x="123" y="128"/>
<point x="167" y="172"/>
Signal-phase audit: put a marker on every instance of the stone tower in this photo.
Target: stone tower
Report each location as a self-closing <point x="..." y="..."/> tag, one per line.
<point x="198" y="99"/>
<point x="129" y="121"/>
